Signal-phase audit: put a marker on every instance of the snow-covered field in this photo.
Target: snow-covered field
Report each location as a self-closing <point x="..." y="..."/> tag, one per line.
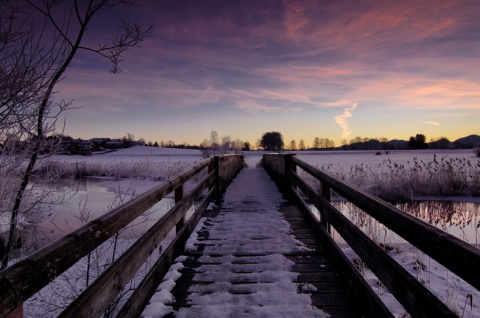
<point x="153" y="165"/>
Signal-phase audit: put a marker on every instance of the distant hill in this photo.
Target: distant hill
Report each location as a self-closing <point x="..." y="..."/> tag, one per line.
<point x="467" y="142"/>
<point x="397" y="144"/>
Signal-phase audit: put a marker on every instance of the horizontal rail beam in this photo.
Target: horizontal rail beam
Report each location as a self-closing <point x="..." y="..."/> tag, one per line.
<point x="453" y="253"/>
<point x="417" y="299"/>
<point x="23" y="279"/>
<point x="135" y="305"/>
<point x="94" y="300"/>
<point x="359" y="287"/>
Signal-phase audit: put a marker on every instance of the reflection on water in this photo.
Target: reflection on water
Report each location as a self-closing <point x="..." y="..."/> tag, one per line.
<point x="461" y="219"/>
<point x="84" y="184"/>
<point x="89" y="199"/>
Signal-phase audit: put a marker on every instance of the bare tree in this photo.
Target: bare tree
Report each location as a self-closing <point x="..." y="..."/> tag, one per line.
<point x="293" y="145"/>
<point x="38" y="42"/>
<point x="214" y="141"/>
<point x="216" y="147"/>
<point x="226" y="144"/>
<point x="316" y="143"/>
<point x="301" y="144"/>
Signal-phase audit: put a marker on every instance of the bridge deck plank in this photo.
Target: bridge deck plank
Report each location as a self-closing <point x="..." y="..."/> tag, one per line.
<point x="247" y="267"/>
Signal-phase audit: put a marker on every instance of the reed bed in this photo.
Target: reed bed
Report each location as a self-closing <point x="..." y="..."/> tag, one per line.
<point x="395" y="181"/>
<point x="458" y="295"/>
<point x="143" y="169"/>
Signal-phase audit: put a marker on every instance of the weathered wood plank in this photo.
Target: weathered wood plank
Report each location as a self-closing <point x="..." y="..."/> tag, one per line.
<point x="455" y="254"/>
<point x="315" y="273"/>
<point x="406" y="289"/>
<point x="364" y="296"/>
<point x="142" y="294"/>
<point x="94" y="300"/>
<point x="21" y="280"/>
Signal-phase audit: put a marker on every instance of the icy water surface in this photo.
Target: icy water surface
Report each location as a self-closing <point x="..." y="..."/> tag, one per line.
<point x="90" y="198"/>
<point x="461" y="219"/>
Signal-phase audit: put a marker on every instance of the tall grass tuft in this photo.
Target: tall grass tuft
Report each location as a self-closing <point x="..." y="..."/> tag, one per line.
<point x="476" y="150"/>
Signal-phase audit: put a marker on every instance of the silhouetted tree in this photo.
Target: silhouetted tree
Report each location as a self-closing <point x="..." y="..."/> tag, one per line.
<point x="301" y="145"/>
<point x="272" y="141"/>
<point x="127" y="140"/>
<point x="418" y="142"/>
<point x="293" y="145"/>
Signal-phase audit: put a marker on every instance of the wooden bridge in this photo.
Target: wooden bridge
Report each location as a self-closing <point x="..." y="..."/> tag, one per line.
<point x="255" y="253"/>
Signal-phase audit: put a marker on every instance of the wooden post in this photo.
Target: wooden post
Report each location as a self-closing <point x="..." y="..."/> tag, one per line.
<point x="289" y="168"/>
<point x="326" y="194"/>
<point x="216" y="166"/>
<point x="179" y="192"/>
<point x="16" y="313"/>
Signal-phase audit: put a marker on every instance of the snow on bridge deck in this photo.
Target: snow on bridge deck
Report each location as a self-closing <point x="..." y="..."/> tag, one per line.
<point x="252" y="256"/>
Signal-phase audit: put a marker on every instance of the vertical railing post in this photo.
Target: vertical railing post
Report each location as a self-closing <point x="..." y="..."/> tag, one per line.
<point x="216" y="166"/>
<point x="16" y="313"/>
<point x="290" y="167"/>
<point x="179" y="192"/>
<point x="327" y="195"/>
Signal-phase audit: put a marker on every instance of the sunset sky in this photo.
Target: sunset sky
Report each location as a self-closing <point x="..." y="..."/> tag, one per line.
<point x="332" y="69"/>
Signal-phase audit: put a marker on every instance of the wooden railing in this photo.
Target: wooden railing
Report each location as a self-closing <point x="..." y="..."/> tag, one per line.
<point x="456" y="255"/>
<point x="23" y="279"/>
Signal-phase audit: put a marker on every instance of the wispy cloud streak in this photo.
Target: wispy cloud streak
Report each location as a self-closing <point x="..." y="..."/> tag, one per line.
<point x="342" y="121"/>
<point x="252" y="106"/>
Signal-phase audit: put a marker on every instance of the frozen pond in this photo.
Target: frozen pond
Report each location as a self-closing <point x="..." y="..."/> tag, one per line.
<point x="99" y="195"/>
<point x="96" y="196"/>
<point x="90" y="198"/>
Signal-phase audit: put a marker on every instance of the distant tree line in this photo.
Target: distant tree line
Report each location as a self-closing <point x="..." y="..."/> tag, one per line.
<point x="273" y="141"/>
<point x="414" y="142"/>
<point x="270" y="141"/>
<point x="68" y="145"/>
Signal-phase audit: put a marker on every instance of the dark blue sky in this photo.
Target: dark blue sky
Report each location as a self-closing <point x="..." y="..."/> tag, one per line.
<point x="332" y="69"/>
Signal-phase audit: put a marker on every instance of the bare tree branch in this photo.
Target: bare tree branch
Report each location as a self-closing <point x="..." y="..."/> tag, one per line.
<point x="38" y="42"/>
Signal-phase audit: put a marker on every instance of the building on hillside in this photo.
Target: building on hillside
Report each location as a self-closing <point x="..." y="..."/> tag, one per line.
<point x="114" y="144"/>
<point x="99" y="141"/>
<point x="138" y="143"/>
<point x="85" y="147"/>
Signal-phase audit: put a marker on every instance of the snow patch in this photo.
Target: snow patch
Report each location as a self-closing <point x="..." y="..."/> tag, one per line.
<point x="158" y="305"/>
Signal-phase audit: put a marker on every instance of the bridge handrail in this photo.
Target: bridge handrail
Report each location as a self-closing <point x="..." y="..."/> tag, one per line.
<point x="455" y="254"/>
<point x="23" y="279"/>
